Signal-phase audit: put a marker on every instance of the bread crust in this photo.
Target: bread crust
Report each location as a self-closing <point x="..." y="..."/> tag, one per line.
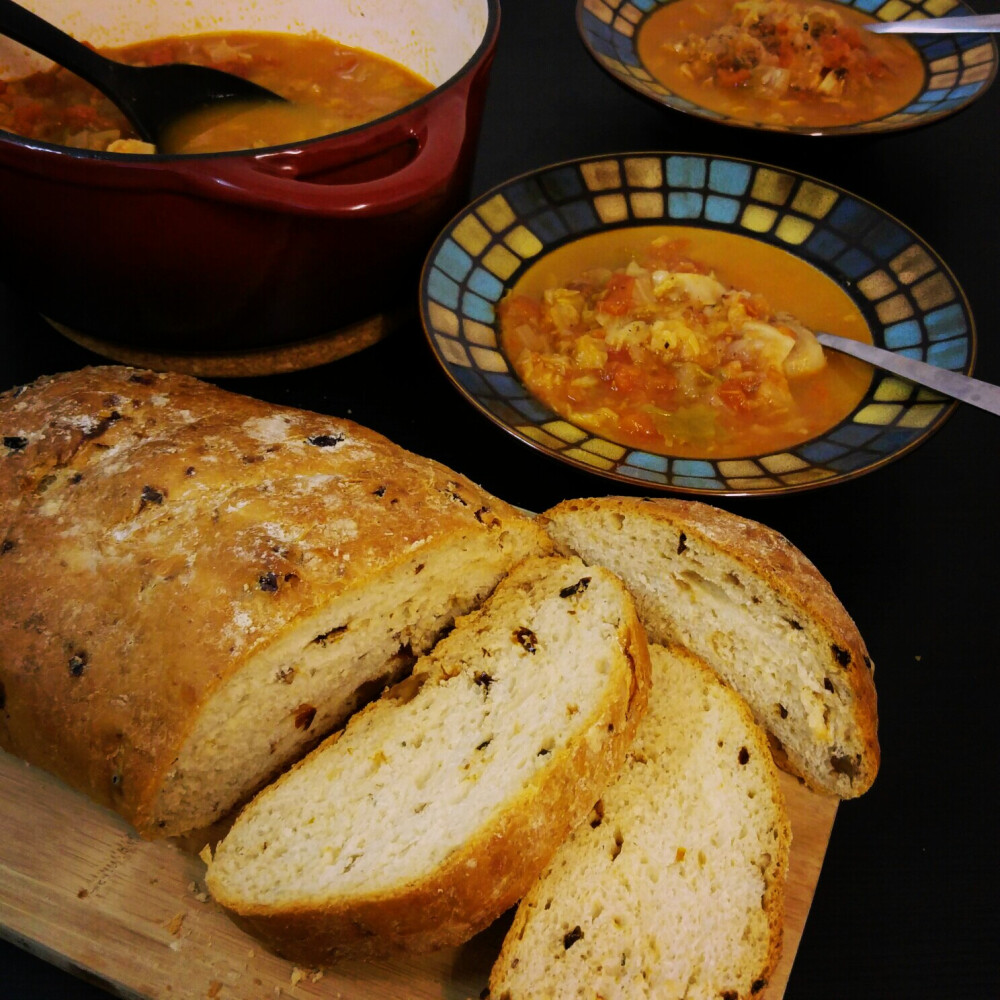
<point x="156" y="532"/>
<point x="790" y="575"/>
<point x="491" y="870"/>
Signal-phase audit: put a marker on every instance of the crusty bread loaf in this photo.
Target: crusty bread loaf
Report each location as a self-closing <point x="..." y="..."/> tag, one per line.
<point x="674" y="888"/>
<point x="438" y="805"/>
<point x="198" y="585"/>
<point x="751" y="605"/>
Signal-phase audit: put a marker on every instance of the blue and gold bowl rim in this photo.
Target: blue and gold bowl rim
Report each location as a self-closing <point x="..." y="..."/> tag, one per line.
<point x="909" y="297"/>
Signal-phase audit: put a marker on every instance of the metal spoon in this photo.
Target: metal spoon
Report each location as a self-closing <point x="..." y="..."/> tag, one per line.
<point x="961" y="387"/>
<point x="150" y="96"/>
<point x="937" y="25"/>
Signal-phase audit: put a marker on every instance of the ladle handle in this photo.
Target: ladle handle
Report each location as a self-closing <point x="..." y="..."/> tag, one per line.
<point x="26" y="27"/>
<point x="39" y="35"/>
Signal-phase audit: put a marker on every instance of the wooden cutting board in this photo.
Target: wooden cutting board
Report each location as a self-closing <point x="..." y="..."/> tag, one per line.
<point x="81" y="890"/>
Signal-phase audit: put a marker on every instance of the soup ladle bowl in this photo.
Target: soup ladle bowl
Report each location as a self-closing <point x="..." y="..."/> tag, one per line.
<point x="151" y="97"/>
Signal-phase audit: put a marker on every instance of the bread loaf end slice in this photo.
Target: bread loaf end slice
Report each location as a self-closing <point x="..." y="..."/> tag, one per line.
<point x="748" y="602"/>
<point x="673" y="889"/>
<point x="437" y="806"/>
<point x="198" y="586"/>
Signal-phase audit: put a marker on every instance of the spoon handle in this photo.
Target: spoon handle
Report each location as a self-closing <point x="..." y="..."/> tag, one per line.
<point x="937" y="25"/>
<point x="40" y="36"/>
<point x="958" y="386"/>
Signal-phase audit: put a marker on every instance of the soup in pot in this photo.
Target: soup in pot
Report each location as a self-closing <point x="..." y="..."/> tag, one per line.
<point x="329" y="88"/>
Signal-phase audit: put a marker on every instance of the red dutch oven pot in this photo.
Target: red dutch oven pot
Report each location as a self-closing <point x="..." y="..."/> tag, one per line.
<point x="253" y="249"/>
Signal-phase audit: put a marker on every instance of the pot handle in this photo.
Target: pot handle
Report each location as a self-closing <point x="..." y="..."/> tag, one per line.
<point x="281" y="181"/>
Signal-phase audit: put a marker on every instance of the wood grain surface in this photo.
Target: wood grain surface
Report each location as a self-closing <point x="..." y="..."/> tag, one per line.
<point x="81" y="890"/>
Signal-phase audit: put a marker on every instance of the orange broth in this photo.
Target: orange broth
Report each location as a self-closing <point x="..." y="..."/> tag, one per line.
<point x="874" y="75"/>
<point x="656" y="403"/>
<point x="330" y="87"/>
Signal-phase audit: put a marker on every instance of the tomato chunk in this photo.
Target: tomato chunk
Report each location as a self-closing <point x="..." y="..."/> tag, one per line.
<point x="735" y="395"/>
<point x="731" y="77"/>
<point x="617" y="298"/>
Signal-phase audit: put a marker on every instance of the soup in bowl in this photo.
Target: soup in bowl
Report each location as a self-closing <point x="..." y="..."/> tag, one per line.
<point x="684" y="341"/>
<point x="222" y="252"/>
<point x="798" y="63"/>
<point x="806" y="67"/>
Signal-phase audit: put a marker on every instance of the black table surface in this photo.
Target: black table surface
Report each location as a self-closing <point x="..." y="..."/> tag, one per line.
<point x="906" y="902"/>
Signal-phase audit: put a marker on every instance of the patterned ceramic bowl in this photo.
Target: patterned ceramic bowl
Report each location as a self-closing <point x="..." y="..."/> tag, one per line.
<point x="957" y="68"/>
<point x="906" y="294"/>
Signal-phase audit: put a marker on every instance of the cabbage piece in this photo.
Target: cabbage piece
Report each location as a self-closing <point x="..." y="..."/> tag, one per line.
<point x="806" y="357"/>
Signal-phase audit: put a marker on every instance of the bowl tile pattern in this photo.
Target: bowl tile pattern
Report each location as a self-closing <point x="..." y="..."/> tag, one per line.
<point x="908" y="296"/>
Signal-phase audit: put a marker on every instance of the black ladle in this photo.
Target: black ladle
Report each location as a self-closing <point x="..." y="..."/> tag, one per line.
<point x="152" y="97"/>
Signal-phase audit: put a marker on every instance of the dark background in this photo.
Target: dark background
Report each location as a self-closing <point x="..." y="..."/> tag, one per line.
<point x="906" y="902"/>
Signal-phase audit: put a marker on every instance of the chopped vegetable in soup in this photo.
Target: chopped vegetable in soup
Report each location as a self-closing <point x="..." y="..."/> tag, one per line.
<point x="784" y="62"/>
<point x="330" y="87"/>
<point x="632" y="336"/>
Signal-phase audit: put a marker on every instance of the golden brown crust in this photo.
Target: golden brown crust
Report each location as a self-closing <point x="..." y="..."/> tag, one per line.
<point x="157" y="531"/>
<point x="790" y="574"/>
<point x="492" y="870"/>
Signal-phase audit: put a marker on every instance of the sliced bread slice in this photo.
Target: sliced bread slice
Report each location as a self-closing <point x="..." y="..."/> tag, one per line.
<point x="438" y="805"/>
<point x="756" y="610"/>
<point x="674" y="888"/>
